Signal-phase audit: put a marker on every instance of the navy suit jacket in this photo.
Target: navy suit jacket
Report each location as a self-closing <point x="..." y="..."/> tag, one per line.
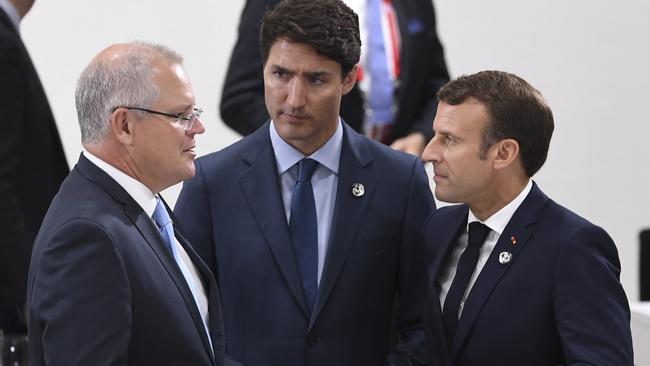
<point x="32" y="167"/>
<point x="558" y="301"/>
<point x="105" y="290"/>
<point x="234" y="215"/>
<point x="422" y="65"/>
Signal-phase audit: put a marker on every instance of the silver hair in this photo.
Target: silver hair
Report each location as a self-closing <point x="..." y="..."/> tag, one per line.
<point x="125" y="82"/>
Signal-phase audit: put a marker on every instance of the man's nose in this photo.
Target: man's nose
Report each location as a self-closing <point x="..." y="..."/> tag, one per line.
<point x="431" y="153"/>
<point x="296" y="93"/>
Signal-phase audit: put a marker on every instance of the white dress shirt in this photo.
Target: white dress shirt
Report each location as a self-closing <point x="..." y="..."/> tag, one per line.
<point x="497" y="223"/>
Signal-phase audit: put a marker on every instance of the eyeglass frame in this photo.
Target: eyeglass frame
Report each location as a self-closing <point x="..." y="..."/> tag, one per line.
<point x="188" y="120"/>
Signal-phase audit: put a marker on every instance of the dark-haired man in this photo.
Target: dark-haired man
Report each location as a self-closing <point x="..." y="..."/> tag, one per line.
<point x="514" y="278"/>
<point x="311" y="228"/>
<point x="394" y="99"/>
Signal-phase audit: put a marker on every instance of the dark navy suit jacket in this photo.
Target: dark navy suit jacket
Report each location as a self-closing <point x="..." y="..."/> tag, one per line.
<point x="234" y="215"/>
<point x="32" y="167"/>
<point x="105" y="290"/>
<point x="558" y="301"/>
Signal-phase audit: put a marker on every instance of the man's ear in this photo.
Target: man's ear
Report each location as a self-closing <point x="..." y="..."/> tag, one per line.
<point x="120" y="126"/>
<point x="507" y="152"/>
<point x="350" y="79"/>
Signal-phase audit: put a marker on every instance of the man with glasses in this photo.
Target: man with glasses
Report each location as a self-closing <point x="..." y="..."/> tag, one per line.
<point x="112" y="279"/>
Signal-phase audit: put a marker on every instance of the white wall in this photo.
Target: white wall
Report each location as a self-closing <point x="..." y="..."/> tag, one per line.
<point x="589" y="58"/>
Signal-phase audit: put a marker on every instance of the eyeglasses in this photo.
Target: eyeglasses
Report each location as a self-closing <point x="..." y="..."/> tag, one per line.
<point x="184" y="120"/>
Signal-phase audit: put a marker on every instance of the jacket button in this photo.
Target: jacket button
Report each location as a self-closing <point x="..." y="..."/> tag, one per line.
<point x="312" y="340"/>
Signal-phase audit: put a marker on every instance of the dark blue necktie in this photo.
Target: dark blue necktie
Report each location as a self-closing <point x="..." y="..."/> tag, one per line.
<point x="304" y="229"/>
<point x="464" y="270"/>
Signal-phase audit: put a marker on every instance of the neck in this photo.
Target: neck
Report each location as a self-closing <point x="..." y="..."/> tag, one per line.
<point x="120" y="161"/>
<point x="502" y="193"/>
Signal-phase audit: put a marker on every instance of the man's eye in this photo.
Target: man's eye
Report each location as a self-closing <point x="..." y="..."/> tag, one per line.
<point x="316" y="81"/>
<point x="280" y="74"/>
<point x="450" y="140"/>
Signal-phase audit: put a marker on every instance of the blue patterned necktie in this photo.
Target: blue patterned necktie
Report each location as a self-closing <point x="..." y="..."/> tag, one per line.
<point x="164" y="223"/>
<point x="304" y="229"/>
<point x="466" y="265"/>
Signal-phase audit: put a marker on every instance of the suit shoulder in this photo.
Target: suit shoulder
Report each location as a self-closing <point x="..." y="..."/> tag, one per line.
<point x="390" y="158"/>
<point x="226" y="157"/>
<point x="566" y="221"/>
<point x="446" y="215"/>
<point x="80" y="200"/>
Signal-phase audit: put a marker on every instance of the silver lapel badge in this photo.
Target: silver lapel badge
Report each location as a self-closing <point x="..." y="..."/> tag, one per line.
<point x="358" y="190"/>
<point x="505" y="257"/>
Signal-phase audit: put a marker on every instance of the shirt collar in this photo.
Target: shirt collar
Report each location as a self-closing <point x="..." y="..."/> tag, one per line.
<point x="498" y="221"/>
<point x="12" y="13"/>
<point x="138" y="191"/>
<point x="327" y="155"/>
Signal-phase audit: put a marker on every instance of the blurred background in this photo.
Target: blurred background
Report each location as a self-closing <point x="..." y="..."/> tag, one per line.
<point x="589" y="58"/>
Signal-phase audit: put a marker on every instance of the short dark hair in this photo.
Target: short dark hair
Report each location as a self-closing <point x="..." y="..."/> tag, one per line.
<point x="330" y="27"/>
<point x="517" y="110"/>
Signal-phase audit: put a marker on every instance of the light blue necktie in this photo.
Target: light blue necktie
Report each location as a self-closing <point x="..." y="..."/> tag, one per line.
<point x="164" y="223"/>
<point x="166" y="229"/>
<point x="304" y="229"/>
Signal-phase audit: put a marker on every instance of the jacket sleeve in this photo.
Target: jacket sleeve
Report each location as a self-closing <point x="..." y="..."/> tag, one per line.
<point x="80" y="298"/>
<point x="16" y="238"/>
<point x="591" y="309"/>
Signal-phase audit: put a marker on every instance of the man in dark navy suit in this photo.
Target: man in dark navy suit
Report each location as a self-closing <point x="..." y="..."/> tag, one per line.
<point x="313" y="231"/>
<point x="112" y="279"/>
<point x="514" y="278"/>
<point x="32" y="163"/>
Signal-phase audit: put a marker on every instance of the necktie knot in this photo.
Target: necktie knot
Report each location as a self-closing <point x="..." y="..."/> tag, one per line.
<point x="306" y="168"/>
<point x="160" y="214"/>
<point x="477" y="233"/>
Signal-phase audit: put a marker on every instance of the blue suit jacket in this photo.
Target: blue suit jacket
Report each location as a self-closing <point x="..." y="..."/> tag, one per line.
<point x="105" y="290"/>
<point x="558" y="301"/>
<point x="234" y="215"/>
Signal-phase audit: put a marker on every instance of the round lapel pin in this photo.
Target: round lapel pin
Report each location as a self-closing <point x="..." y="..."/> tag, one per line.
<point x="358" y="190"/>
<point x="505" y="257"/>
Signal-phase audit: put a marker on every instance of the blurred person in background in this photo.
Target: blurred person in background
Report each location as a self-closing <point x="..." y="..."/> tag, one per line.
<point x="32" y="163"/>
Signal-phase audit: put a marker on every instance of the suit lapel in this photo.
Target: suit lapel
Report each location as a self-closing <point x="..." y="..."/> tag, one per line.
<point x="520" y="227"/>
<point x="215" y="321"/>
<point x="261" y="188"/>
<point x="441" y="238"/>
<point x="145" y="225"/>
<point x="355" y="167"/>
